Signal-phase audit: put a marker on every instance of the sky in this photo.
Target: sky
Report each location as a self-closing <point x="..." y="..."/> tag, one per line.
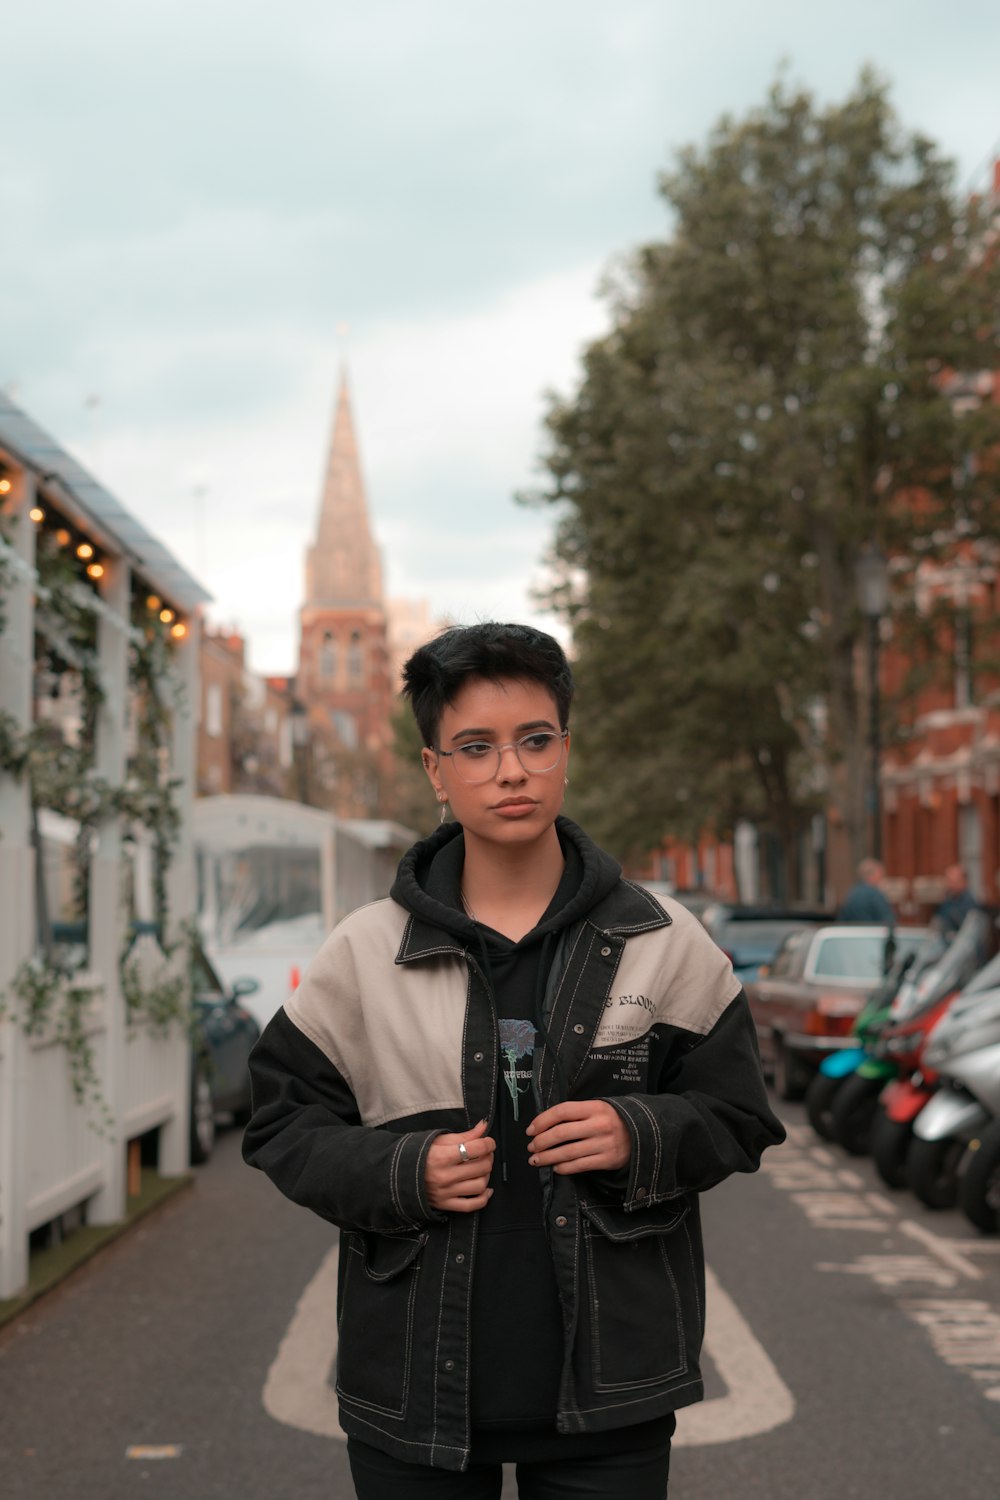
<point x="209" y="207"/>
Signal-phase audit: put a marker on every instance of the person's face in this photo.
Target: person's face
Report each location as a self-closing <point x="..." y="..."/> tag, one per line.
<point x="954" y="880"/>
<point x="512" y="805"/>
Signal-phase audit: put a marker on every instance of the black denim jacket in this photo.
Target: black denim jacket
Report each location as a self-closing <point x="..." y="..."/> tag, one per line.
<point x="392" y="1038"/>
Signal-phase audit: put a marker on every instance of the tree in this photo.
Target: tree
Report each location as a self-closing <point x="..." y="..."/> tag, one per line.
<point x="412" y="799"/>
<point x="771" y="396"/>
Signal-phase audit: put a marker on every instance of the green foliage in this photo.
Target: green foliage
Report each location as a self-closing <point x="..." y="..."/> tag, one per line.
<point x="156" y="1005"/>
<point x="53" y="1001"/>
<point x="50" y="997"/>
<point x="771" y="388"/>
<point x="412" y="796"/>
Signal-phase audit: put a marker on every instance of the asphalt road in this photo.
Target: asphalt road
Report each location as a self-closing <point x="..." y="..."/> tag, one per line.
<point x="854" y="1350"/>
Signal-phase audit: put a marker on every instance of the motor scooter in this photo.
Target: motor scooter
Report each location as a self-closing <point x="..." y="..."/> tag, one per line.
<point x="979" y="1180"/>
<point x="963" y="1051"/>
<point x="853" y="1106"/>
<point x="838" y="1066"/>
<point x="905" y="1043"/>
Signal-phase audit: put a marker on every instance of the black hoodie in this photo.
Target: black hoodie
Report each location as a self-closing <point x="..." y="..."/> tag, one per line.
<point x="517" y="1338"/>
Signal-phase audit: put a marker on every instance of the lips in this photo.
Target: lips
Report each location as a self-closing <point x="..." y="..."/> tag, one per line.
<point x="513" y="802"/>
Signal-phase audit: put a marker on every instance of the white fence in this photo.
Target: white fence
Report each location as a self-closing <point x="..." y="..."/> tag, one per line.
<point x="56" y="1150"/>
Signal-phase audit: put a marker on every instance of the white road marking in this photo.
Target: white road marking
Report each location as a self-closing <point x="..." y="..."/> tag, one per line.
<point x="943" y="1249"/>
<point x="964" y="1333"/>
<point x="757" y="1399"/>
<point x="298" y="1392"/>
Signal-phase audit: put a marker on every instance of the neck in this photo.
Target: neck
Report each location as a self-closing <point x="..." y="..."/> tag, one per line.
<point x="509" y="888"/>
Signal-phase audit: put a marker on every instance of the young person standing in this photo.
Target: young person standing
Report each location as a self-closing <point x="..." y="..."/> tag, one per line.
<point x="507" y="1084"/>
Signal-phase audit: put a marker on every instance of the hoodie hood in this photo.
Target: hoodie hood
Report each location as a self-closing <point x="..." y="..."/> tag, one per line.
<point x="430" y="873"/>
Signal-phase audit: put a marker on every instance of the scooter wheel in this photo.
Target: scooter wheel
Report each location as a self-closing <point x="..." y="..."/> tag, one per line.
<point x="819" y="1103"/>
<point x="853" y="1111"/>
<point x="932" y="1170"/>
<point x="890" y="1143"/>
<point x="979" y="1185"/>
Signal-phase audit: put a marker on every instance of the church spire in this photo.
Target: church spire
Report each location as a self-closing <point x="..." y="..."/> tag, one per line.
<point x="343" y="566"/>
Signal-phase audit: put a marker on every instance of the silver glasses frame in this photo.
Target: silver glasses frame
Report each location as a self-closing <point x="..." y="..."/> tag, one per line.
<point x="561" y="735"/>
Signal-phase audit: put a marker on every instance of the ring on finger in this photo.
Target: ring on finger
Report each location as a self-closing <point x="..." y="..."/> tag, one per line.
<point x="463" y="1151"/>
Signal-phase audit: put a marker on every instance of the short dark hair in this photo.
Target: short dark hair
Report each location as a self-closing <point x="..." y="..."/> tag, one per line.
<point x="436" y="672"/>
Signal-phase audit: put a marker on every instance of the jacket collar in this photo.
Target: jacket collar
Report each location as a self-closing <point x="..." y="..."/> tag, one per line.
<point x="625" y="910"/>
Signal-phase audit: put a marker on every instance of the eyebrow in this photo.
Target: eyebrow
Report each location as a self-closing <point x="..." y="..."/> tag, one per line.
<point x="484" y="734"/>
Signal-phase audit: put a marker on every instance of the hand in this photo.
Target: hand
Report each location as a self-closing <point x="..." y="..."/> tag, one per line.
<point x="456" y="1186"/>
<point x="588" y="1135"/>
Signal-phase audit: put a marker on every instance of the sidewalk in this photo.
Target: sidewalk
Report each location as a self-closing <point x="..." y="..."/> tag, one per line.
<point x="51" y="1266"/>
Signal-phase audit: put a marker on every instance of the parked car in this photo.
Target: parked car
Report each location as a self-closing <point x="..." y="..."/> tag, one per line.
<point x="223" y="1033"/>
<point x="751" y="935"/>
<point x="805" y="1002"/>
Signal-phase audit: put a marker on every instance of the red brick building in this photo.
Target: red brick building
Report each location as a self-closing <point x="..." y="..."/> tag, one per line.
<point x="344" y="676"/>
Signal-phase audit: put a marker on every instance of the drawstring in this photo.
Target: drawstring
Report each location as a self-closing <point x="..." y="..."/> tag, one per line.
<point x="541" y="979"/>
<point x="484" y="954"/>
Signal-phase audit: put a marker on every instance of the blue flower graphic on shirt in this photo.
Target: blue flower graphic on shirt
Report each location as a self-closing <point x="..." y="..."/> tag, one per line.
<point x="517" y="1040"/>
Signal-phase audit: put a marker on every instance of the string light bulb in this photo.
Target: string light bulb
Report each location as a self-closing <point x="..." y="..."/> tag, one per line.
<point x="36" y="513"/>
<point x="85" y="550"/>
<point x="4" y="486"/>
<point x="153" y="602"/>
<point x="96" y="570"/>
<point x="63" y="537"/>
<point x="179" y="631"/>
<point x="166" y="615"/>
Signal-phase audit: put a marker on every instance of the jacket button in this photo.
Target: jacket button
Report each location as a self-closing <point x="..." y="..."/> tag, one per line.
<point x="578" y="1030"/>
<point x="642" y="1192"/>
<point x="459" y="1258"/>
<point x="449" y="1364"/>
<point x="605" y="952"/>
<point x="477" y="1057"/>
<point x="561" y="1221"/>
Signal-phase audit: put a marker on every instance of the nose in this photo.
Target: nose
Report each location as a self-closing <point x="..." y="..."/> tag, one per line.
<point x="510" y="767"/>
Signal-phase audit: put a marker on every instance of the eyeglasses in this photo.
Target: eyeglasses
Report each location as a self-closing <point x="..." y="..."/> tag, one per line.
<point x="479" y="761"/>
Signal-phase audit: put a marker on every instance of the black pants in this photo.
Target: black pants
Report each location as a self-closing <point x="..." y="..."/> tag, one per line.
<point x="609" y="1476"/>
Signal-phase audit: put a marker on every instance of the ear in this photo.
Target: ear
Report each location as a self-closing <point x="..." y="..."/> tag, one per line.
<point x="430" y="765"/>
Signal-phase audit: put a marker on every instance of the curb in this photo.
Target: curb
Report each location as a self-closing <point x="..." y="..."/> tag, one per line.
<point x="49" y="1268"/>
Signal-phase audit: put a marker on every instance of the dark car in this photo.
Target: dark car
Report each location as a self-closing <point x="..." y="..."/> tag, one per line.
<point x="805" y="1003"/>
<point x="750" y="936"/>
<point x="222" y="1036"/>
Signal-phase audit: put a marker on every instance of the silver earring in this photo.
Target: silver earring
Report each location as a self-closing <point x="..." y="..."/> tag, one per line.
<point x="444" y="807"/>
<point x="565" y="781"/>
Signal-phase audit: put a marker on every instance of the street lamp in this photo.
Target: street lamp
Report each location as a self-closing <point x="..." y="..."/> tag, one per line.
<point x="873" y="598"/>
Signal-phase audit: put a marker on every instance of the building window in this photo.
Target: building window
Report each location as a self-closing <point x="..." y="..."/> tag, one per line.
<point x="346" y="728"/>
<point x="213" y="710"/>
<point x="328" y="657"/>
<point x="356" y="658"/>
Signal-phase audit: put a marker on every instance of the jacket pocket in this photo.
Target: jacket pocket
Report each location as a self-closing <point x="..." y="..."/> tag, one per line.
<point x="640" y="1291"/>
<point x="378" y="1289"/>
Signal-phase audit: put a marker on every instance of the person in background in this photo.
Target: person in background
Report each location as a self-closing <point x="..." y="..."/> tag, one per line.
<point x="866" y="901"/>
<point x="958" y="900"/>
<point x="508" y="1085"/>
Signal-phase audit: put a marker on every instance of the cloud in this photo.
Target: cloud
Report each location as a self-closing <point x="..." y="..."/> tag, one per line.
<point x="196" y="195"/>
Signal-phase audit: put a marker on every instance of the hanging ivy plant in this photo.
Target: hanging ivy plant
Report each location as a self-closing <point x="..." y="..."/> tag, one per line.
<point x="160" y="1004"/>
<point x="49" y="996"/>
<point x="52" y="1000"/>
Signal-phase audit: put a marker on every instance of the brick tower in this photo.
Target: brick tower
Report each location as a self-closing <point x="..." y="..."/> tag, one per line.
<point x="343" y="674"/>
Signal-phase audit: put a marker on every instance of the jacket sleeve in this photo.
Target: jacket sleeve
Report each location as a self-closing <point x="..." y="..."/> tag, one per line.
<point x="709" y="1118"/>
<point x="306" y="1134"/>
